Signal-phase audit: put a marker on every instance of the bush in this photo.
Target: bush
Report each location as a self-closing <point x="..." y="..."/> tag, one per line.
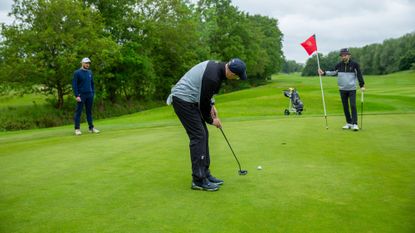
<point x="44" y="116"/>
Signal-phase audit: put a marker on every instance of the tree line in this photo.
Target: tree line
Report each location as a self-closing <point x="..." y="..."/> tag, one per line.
<point x="375" y="59"/>
<point x="138" y="48"/>
<point x="291" y="66"/>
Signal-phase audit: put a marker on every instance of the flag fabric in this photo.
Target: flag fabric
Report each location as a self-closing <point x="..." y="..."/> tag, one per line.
<point x="310" y="45"/>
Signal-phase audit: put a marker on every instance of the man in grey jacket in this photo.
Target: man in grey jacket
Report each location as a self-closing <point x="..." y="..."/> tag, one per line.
<point x="192" y="99"/>
<point x="348" y="72"/>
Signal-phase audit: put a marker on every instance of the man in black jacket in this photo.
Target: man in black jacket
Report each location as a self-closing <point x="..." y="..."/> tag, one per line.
<point x="348" y="71"/>
<point x="193" y="103"/>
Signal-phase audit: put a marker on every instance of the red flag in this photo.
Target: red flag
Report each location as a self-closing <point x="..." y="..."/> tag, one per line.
<point x="310" y="45"/>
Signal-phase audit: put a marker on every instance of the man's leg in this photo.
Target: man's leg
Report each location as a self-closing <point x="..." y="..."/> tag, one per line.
<point x="88" y="110"/>
<point x="345" y="101"/>
<point x="189" y="116"/>
<point x="352" y="97"/>
<point x="78" y="113"/>
<point x="207" y="160"/>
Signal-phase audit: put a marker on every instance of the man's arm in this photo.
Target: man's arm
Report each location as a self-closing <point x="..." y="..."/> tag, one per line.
<point x="92" y="83"/>
<point x="329" y="73"/>
<point x="359" y="75"/>
<point x="214" y="114"/>
<point x="206" y="107"/>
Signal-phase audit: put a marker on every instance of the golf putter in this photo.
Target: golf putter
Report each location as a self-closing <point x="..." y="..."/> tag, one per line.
<point x="241" y="172"/>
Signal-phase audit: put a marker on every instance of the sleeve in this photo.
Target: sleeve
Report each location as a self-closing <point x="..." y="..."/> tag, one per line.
<point x="359" y="75"/>
<point x="92" y="84"/>
<point x="206" y="105"/>
<point x="210" y="84"/>
<point x="334" y="72"/>
<point x="331" y="73"/>
<point x="75" y="84"/>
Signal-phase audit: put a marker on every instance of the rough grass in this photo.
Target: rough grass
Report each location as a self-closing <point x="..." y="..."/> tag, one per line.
<point x="135" y="175"/>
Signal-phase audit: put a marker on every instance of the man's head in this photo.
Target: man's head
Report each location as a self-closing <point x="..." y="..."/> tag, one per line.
<point x="86" y="62"/>
<point x="236" y="67"/>
<point x="345" y="54"/>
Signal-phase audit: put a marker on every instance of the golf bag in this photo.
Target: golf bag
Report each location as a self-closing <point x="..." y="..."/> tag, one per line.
<point x="295" y="105"/>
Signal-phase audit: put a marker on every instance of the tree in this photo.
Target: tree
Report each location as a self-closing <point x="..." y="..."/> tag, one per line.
<point x="231" y="33"/>
<point x="310" y="68"/>
<point x="45" y="44"/>
<point x="169" y="36"/>
<point x="291" y="66"/>
<point x="407" y="61"/>
<point x="139" y="49"/>
<point x="264" y="49"/>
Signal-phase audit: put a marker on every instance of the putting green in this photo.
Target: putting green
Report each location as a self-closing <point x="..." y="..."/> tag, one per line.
<point x="135" y="175"/>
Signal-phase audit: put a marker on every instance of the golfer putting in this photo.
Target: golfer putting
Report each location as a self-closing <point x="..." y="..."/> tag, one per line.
<point x="348" y="71"/>
<point x="193" y="103"/>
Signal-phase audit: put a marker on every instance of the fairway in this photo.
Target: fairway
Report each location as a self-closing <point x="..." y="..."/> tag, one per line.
<point x="135" y="176"/>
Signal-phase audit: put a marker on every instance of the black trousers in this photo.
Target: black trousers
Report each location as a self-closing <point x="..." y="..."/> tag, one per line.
<point x="349" y="97"/>
<point x="196" y="129"/>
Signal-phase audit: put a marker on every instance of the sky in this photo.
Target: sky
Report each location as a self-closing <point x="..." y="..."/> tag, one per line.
<point x="337" y="24"/>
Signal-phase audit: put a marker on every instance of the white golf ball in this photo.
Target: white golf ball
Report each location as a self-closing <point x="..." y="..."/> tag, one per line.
<point x="259" y="168"/>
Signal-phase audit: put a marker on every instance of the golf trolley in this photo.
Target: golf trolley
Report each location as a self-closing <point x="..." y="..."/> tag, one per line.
<point x="295" y="105"/>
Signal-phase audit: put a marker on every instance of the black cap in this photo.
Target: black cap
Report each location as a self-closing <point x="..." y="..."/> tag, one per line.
<point x="344" y="51"/>
<point x="238" y="67"/>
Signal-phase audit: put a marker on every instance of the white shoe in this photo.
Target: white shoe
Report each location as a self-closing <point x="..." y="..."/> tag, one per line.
<point x="78" y="132"/>
<point x="355" y="127"/>
<point x="347" y="126"/>
<point x="94" y="130"/>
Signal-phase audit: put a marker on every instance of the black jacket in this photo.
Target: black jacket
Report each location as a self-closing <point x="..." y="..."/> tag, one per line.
<point x="212" y="79"/>
<point x="350" y="67"/>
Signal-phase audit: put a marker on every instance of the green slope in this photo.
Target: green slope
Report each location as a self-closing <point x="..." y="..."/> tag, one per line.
<point x="135" y="175"/>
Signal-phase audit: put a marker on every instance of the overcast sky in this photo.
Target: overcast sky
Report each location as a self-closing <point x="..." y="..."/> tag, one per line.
<point x="337" y="24"/>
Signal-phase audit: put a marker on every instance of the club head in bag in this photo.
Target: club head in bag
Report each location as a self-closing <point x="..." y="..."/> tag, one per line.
<point x="243" y="172"/>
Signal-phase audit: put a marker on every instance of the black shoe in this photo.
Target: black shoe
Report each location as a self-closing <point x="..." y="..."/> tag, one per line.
<point x="215" y="180"/>
<point x="205" y="185"/>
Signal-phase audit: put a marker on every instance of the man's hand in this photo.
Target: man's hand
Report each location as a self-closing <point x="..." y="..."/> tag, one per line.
<point x="362" y="89"/>
<point x="217" y="123"/>
<point x="320" y="72"/>
<point x="78" y="99"/>
<point x="213" y="112"/>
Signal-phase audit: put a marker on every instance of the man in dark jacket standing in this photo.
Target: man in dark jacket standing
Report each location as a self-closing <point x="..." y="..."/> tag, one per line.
<point x="348" y="72"/>
<point x="83" y="88"/>
<point x="193" y="103"/>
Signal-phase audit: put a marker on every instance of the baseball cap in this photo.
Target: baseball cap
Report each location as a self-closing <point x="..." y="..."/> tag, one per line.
<point x="238" y="67"/>
<point x="344" y="51"/>
<point x="85" y="60"/>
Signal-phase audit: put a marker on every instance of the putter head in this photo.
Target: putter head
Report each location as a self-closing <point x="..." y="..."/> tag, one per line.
<point x="243" y="172"/>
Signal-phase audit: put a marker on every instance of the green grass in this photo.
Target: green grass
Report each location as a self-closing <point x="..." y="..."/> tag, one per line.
<point x="135" y="175"/>
<point x="11" y="101"/>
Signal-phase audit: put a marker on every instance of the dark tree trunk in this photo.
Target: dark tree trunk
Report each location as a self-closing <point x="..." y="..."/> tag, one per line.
<point x="59" y="104"/>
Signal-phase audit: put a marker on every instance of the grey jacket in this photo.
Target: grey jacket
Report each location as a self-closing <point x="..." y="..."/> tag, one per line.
<point x="347" y="74"/>
<point x="199" y="85"/>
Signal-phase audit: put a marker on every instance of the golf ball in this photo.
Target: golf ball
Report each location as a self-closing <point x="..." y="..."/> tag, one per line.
<point x="259" y="168"/>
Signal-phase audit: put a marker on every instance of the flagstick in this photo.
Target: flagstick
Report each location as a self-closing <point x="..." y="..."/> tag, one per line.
<point x="322" y="92"/>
